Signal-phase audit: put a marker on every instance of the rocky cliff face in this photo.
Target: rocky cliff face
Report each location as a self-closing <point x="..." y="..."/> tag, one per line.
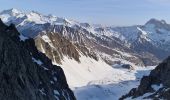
<point x="26" y="73"/>
<point x="155" y="86"/>
<point x="55" y="47"/>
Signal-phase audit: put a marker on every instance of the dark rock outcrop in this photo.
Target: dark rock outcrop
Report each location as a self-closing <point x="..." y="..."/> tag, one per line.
<point x="26" y="73"/>
<point x="159" y="77"/>
<point x="127" y="66"/>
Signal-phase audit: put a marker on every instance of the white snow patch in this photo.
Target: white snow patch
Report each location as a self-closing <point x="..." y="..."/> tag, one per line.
<point x="157" y="87"/>
<point x="55" y="78"/>
<point x="141" y="97"/>
<point x="51" y="82"/>
<point x="46" y="39"/>
<point x="35" y="17"/>
<point x="143" y="32"/>
<point x="56" y="97"/>
<point x="42" y="91"/>
<point x="22" y="38"/>
<point x="56" y="92"/>
<point x="37" y="61"/>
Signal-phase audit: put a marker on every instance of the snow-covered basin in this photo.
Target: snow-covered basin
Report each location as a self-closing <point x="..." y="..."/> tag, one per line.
<point x="115" y="89"/>
<point x="95" y="80"/>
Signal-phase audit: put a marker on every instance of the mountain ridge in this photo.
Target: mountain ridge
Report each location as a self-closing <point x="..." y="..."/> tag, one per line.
<point x="28" y="74"/>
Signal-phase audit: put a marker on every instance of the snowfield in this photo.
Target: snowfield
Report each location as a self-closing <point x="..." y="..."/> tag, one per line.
<point x="96" y="80"/>
<point x="114" y="90"/>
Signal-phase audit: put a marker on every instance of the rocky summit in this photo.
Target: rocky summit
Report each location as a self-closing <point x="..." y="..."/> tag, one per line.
<point x="26" y="73"/>
<point x="156" y="86"/>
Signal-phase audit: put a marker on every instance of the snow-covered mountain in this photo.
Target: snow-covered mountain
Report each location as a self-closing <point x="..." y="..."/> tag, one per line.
<point x="89" y="53"/>
<point x="86" y="36"/>
<point x="110" y="40"/>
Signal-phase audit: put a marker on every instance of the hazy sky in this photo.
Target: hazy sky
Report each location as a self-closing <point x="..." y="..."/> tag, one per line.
<point x="112" y="12"/>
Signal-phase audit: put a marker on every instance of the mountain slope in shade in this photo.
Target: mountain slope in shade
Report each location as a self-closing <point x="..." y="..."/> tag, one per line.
<point x="26" y="73"/>
<point x="155" y="86"/>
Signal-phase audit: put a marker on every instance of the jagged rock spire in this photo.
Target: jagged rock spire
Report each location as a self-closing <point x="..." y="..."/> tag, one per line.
<point x="2" y="25"/>
<point x="28" y="74"/>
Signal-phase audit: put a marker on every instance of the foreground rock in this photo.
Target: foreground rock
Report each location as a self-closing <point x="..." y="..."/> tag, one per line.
<point x="155" y="86"/>
<point x="26" y="73"/>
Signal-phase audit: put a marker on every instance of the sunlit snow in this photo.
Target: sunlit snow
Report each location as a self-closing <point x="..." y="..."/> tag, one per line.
<point x="95" y="80"/>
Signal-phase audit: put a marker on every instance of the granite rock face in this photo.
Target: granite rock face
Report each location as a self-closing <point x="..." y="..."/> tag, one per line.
<point x="26" y="73"/>
<point x="157" y="84"/>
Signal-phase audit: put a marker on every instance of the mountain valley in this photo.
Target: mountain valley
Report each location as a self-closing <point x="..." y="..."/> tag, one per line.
<point x="100" y="62"/>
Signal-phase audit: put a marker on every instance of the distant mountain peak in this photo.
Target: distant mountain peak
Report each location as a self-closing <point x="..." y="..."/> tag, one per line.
<point x="163" y="21"/>
<point x="34" y="13"/>
<point x="34" y="16"/>
<point x="12" y="12"/>
<point x="156" y="21"/>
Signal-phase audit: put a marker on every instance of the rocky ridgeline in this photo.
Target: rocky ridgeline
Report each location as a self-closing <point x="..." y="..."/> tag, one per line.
<point x="156" y="86"/>
<point x="73" y="39"/>
<point x="56" y="45"/>
<point x="26" y="73"/>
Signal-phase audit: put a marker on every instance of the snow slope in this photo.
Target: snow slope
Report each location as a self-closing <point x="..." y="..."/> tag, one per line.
<point x="95" y="80"/>
<point x="115" y="89"/>
<point x="80" y="74"/>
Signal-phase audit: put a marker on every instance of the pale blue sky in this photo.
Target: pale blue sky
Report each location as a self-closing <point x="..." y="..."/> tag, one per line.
<point x="112" y="12"/>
